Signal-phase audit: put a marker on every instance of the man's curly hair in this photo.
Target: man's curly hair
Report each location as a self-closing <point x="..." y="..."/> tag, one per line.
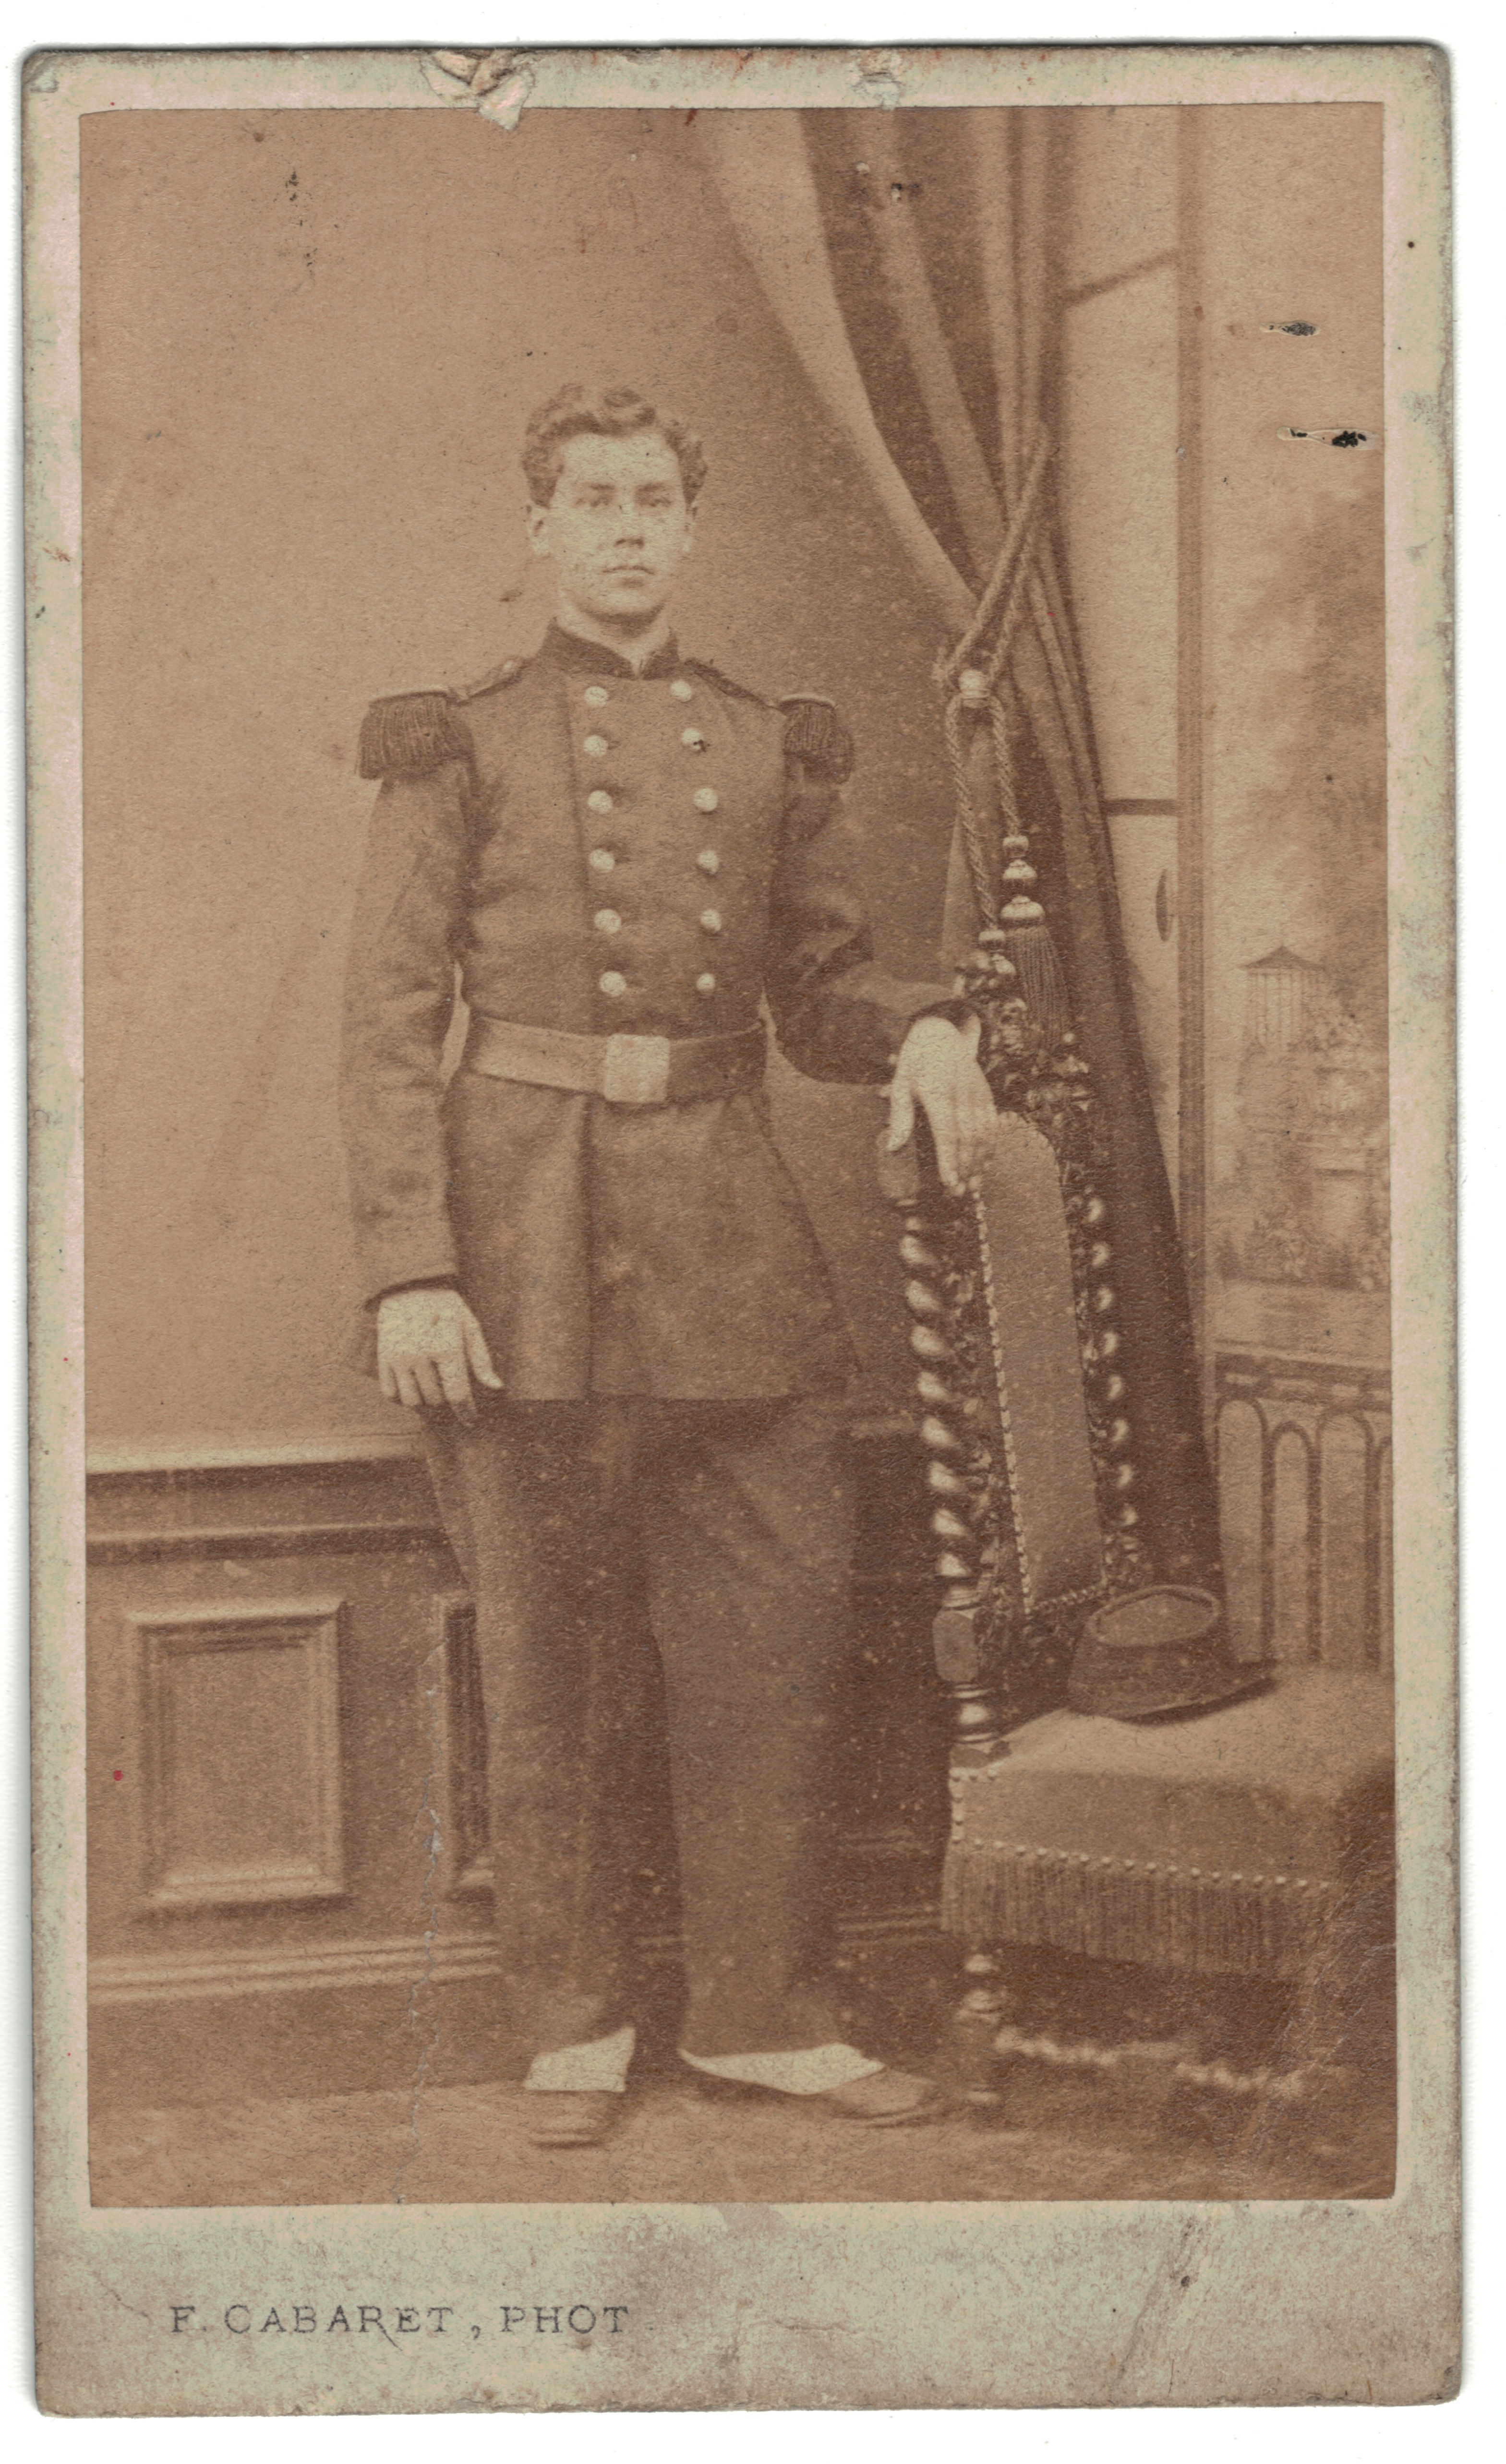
<point x="610" y="410"/>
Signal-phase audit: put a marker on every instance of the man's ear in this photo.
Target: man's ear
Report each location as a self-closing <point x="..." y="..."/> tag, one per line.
<point x="537" y="518"/>
<point x="690" y="530"/>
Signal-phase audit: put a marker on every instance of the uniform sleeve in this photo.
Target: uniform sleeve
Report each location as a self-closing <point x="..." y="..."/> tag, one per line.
<point x="400" y="987"/>
<point x="838" y="1014"/>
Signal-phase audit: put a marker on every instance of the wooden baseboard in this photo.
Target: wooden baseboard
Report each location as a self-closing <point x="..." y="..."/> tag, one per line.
<point x="188" y="1976"/>
<point x="316" y="2021"/>
<point x="395" y="1959"/>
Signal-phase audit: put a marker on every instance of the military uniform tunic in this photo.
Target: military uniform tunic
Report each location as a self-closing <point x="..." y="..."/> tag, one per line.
<point x="585" y="848"/>
<point x="655" y="1511"/>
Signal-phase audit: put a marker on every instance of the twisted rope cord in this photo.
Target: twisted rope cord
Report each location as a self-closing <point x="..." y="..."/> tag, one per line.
<point x="1008" y="591"/>
<point x="1015" y="612"/>
<point x="1021" y="526"/>
<point x="1004" y="767"/>
<point x="968" y="815"/>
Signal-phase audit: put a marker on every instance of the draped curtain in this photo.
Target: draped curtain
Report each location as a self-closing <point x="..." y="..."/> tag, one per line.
<point x="914" y="261"/>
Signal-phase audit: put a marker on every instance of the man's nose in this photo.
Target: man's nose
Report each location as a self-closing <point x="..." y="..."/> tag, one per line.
<point x="630" y="522"/>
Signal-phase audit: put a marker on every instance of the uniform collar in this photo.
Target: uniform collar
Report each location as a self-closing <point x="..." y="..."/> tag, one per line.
<point x="572" y="651"/>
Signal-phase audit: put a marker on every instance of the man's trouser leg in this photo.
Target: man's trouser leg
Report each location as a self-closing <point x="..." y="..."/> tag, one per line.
<point x="747" y="1519"/>
<point x="536" y="1503"/>
<point x="743" y="1514"/>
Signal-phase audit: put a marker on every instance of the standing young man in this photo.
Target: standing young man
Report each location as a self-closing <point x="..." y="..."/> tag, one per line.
<point x="591" y="1273"/>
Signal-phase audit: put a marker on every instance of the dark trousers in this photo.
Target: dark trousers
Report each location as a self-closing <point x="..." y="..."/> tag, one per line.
<point x="595" y="1537"/>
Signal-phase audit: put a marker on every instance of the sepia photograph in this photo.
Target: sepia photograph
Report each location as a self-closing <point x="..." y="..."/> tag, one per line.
<point x="724" y="789"/>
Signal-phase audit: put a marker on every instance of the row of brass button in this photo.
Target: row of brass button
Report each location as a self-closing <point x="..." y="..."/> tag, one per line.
<point x="705" y="801"/>
<point x="607" y="920"/>
<point x="614" y="985"/>
<point x="597" y="696"/>
<point x="603" y="860"/>
<point x="690" y="738"/>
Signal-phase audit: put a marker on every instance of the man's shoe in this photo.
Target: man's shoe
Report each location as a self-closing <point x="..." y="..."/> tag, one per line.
<point x="882" y="2101"/>
<point x="570" y="2117"/>
<point x="885" y="2101"/>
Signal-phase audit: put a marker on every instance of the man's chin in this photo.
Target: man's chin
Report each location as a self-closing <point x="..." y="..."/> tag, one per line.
<point x="640" y="603"/>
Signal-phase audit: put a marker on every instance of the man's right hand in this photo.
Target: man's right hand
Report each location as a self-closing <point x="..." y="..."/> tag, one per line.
<point x="429" y="1347"/>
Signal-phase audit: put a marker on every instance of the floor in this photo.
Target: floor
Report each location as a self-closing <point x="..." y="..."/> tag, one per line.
<point x="1053" y="2136"/>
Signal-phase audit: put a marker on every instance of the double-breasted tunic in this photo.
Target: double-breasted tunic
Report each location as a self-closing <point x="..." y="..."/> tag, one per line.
<point x="579" y="849"/>
<point x="576" y="846"/>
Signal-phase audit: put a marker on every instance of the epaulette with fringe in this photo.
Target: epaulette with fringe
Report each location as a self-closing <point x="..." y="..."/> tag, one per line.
<point x="816" y="736"/>
<point x="413" y="731"/>
<point x="417" y="730"/>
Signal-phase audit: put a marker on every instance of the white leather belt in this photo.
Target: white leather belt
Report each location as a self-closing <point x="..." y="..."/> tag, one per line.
<point x="632" y="1069"/>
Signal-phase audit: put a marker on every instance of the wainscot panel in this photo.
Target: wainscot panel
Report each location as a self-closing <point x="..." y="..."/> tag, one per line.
<point x="290" y="1878"/>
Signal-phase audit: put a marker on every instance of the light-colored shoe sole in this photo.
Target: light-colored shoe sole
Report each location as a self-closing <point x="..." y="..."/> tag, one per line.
<point x="929" y="2108"/>
<point x="576" y="2129"/>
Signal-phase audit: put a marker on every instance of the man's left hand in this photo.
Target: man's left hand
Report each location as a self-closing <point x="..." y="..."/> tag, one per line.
<point x="938" y="1069"/>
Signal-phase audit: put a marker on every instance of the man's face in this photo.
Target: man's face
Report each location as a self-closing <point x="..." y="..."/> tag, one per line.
<point x="617" y="526"/>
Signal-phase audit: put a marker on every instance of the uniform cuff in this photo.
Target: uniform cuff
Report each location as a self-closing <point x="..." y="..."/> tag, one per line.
<point x="399" y="1253"/>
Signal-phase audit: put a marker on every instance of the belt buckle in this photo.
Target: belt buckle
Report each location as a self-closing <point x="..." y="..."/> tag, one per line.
<point x="638" y="1069"/>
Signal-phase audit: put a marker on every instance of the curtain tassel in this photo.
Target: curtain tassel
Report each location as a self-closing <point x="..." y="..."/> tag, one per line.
<point x="1027" y="945"/>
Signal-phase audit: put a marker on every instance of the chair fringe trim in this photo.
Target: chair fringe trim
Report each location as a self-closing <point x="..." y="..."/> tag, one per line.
<point x="1112" y="1907"/>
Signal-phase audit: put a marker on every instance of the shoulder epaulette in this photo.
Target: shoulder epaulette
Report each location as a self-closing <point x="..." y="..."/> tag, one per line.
<point x="816" y="736"/>
<point x="413" y="731"/>
<point x="711" y="676"/>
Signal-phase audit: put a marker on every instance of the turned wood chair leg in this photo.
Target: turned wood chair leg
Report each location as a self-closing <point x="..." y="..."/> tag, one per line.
<point x="976" y="2022"/>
